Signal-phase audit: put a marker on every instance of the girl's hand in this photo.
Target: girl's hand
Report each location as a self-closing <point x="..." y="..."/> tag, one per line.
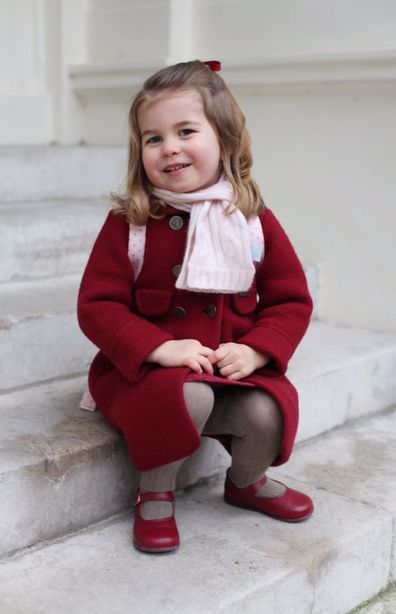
<point x="182" y="353"/>
<point x="236" y="360"/>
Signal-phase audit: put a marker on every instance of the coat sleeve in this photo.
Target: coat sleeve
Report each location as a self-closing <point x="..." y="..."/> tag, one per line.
<point x="104" y="302"/>
<point x="284" y="303"/>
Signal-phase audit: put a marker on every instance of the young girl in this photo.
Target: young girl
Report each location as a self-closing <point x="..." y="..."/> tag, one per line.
<point x="196" y="300"/>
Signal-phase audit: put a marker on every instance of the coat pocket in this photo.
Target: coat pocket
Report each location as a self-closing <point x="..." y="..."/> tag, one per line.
<point x="153" y="303"/>
<point x="244" y="303"/>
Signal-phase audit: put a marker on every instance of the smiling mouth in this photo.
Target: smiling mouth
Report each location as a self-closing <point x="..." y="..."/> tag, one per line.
<point x="175" y="167"/>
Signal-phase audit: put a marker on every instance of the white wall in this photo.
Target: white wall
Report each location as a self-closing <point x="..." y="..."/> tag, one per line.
<point x="25" y="105"/>
<point x="256" y="29"/>
<point x="326" y="163"/>
<point x="317" y="81"/>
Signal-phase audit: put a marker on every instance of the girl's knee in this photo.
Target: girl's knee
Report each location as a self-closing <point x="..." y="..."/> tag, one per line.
<point x="263" y="415"/>
<point x="199" y="399"/>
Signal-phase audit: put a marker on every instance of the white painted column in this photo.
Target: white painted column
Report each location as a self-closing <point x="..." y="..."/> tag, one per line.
<point x="26" y="109"/>
<point x="72" y="49"/>
<point x="181" y="35"/>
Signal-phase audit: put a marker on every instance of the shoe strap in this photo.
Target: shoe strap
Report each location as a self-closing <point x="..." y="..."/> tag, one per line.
<point x="252" y="487"/>
<point x="143" y="497"/>
<point x="257" y="486"/>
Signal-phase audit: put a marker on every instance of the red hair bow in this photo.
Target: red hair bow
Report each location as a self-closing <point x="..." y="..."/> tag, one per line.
<point x="214" y="65"/>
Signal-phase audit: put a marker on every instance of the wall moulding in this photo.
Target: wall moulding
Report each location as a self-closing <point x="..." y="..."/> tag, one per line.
<point x="108" y="78"/>
<point x="369" y="67"/>
<point x="124" y="5"/>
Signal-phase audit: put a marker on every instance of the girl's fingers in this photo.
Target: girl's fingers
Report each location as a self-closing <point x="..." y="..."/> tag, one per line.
<point x="236" y="376"/>
<point x="199" y="364"/>
<point x="228" y="370"/>
<point x="231" y="373"/>
<point x="221" y="353"/>
<point x="226" y="362"/>
<point x="205" y="350"/>
<point x="206" y="364"/>
<point x="193" y="365"/>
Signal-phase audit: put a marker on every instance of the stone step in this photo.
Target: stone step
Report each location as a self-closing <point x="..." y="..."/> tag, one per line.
<point x="312" y="273"/>
<point x="383" y="603"/>
<point x="39" y="335"/>
<point x="60" y="468"/>
<point x="74" y="468"/>
<point x="43" y="311"/>
<point x="342" y="373"/>
<point x="48" y="238"/>
<point x="357" y="461"/>
<point x="60" y="172"/>
<point x="232" y="560"/>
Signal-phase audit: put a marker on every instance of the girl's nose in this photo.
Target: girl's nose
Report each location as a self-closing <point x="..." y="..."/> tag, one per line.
<point x="170" y="147"/>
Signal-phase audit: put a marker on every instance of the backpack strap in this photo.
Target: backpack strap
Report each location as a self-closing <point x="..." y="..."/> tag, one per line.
<point x="136" y="245"/>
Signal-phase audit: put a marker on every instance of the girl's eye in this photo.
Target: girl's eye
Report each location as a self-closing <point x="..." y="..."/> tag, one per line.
<point x="153" y="140"/>
<point x="186" y="131"/>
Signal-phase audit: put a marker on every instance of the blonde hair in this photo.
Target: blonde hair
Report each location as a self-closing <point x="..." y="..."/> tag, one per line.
<point x="226" y="118"/>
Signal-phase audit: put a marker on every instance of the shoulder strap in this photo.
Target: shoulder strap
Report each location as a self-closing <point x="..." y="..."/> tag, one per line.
<point x="136" y="245"/>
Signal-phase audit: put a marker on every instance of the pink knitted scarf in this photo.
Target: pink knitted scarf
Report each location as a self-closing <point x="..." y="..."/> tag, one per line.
<point x="218" y="252"/>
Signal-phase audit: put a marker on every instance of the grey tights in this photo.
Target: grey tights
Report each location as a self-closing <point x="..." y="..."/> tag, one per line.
<point x="255" y="422"/>
<point x="253" y="419"/>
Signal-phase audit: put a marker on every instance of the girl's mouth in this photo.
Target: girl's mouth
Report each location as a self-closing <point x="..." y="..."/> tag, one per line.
<point x="172" y="168"/>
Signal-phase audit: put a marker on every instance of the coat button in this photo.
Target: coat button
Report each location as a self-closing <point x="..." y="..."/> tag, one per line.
<point x="176" y="270"/>
<point x="176" y="222"/>
<point x="210" y="311"/>
<point x="179" y="313"/>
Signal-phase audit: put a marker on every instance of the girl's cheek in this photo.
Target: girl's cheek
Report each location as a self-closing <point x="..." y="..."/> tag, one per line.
<point x="145" y="160"/>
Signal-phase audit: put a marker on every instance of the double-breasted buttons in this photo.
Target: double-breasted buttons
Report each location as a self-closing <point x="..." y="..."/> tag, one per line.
<point x="179" y="312"/>
<point x="210" y="311"/>
<point x="176" y="222"/>
<point x="176" y="270"/>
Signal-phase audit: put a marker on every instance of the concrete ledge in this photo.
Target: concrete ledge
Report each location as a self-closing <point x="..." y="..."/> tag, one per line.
<point x="230" y="560"/>
<point x="61" y="469"/>
<point x="384" y="603"/>
<point x="43" y="313"/>
<point x="60" y="172"/>
<point x="48" y="238"/>
<point x="342" y="373"/>
<point x="358" y="460"/>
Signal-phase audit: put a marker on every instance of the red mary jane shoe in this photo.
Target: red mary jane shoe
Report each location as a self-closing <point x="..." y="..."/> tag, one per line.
<point x="155" y="535"/>
<point x="292" y="506"/>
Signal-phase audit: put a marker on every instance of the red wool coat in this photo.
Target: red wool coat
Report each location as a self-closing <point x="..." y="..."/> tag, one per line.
<point x="126" y="320"/>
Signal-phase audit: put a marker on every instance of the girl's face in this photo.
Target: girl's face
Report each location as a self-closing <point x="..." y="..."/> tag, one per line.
<point x="180" y="149"/>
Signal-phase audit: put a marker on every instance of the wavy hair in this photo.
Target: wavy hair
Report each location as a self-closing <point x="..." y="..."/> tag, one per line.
<point x="226" y="118"/>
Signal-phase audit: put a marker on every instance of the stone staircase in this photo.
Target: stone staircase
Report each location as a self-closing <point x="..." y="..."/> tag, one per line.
<point x="66" y="483"/>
